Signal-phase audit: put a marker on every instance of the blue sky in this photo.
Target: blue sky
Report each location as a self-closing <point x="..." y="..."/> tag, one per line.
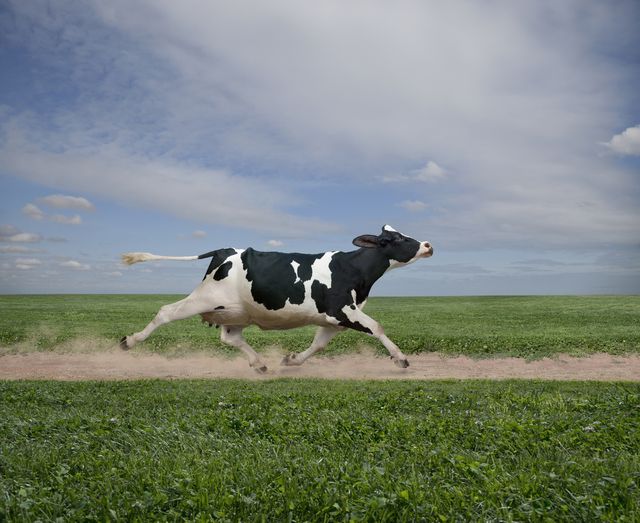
<point x="505" y="133"/>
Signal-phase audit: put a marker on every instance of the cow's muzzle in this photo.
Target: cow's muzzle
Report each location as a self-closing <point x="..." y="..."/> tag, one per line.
<point x="428" y="250"/>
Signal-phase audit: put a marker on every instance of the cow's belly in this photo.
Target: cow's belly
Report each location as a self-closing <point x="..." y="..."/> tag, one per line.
<point x="227" y="315"/>
<point x="289" y="317"/>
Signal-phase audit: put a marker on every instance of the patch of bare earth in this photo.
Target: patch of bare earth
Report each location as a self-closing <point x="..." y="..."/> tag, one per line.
<point x="113" y="364"/>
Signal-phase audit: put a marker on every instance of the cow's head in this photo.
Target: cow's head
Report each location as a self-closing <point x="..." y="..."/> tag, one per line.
<point x="398" y="248"/>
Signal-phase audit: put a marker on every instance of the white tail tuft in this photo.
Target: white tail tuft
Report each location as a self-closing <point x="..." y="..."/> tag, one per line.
<point x="129" y="258"/>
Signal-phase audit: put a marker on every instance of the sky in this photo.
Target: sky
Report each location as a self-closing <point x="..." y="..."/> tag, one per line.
<point x="505" y="133"/>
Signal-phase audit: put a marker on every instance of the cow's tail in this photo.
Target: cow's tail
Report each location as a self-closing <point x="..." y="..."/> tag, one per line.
<point x="129" y="258"/>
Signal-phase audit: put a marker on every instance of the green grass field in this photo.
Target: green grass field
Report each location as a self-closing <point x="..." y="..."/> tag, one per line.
<point x="287" y="450"/>
<point x="316" y="450"/>
<point x="478" y="326"/>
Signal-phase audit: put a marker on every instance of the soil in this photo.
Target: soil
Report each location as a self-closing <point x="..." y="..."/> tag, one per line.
<point x="114" y="364"/>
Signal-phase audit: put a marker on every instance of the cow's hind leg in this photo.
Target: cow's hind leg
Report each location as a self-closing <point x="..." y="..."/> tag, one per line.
<point x="179" y="310"/>
<point x="323" y="336"/>
<point x="232" y="335"/>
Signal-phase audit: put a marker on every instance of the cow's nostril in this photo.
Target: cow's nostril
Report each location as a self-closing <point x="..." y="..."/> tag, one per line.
<point x="427" y="245"/>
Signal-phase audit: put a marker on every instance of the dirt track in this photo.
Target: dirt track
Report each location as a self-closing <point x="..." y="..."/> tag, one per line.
<point x="116" y="365"/>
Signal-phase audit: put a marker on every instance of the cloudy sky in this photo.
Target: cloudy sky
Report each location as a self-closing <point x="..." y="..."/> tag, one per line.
<point x="506" y="133"/>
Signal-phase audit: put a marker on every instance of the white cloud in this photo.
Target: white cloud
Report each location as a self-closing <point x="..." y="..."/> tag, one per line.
<point x="33" y="211"/>
<point x="201" y="194"/>
<point x="421" y="86"/>
<point x="199" y="234"/>
<point x="10" y="233"/>
<point x="27" y="263"/>
<point x="275" y="243"/>
<point x="627" y="142"/>
<point x="447" y="80"/>
<point x="17" y="249"/>
<point x="22" y="237"/>
<point x="413" y="205"/>
<point x="62" y="201"/>
<point x="431" y="172"/>
<point x="75" y="265"/>
<point x="8" y="230"/>
<point x="68" y="220"/>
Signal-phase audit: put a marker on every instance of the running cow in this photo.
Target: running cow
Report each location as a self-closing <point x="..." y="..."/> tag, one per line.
<point x="275" y="290"/>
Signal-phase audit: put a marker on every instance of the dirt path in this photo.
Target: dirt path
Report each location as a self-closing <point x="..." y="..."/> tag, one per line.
<point x="115" y="365"/>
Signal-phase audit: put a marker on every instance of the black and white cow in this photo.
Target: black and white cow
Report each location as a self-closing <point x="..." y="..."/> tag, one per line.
<point x="275" y="290"/>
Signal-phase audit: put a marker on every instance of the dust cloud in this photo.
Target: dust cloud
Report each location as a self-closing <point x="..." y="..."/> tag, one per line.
<point x="90" y="358"/>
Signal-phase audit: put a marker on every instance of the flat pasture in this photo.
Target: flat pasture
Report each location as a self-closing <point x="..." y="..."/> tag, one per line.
<point x="317" y="450"/>
<point x="522" y="326"/>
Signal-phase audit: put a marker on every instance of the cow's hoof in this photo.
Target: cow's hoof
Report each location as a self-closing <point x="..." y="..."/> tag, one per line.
<point x="288" y="360"/>
<point x="123" y="343"/>
<point x="261" y="370"/>
<point x="403" y="364"/>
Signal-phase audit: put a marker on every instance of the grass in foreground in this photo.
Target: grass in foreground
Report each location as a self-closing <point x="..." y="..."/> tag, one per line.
<point x="528" y="326"/>
<point x="319" y="451"/>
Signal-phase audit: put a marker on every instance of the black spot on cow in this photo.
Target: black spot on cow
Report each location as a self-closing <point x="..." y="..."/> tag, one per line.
<point x="223" y="271"/>
<point x="273" y="279"/>
<point x="304" y="271"/>
<point x="350" y="271"/>
<point x="331" y="303"/>
<point x="319" y="293"/>
<point x="217" y="258"/>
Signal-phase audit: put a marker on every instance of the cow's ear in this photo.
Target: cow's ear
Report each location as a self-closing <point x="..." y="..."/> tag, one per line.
<point x="368" y="241"/>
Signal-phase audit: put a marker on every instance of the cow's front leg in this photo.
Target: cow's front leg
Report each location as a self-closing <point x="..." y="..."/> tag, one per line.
<point x="323" y="336"/>
<point x="358" y="320"/>
<point x="232" y="335"/>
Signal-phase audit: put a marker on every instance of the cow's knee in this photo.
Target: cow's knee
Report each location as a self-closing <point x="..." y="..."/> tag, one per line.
<point x="230" y="337"/>
<point x="164" y="315"/>
<point x="233" y="336"/>
<point x="376" y="330"/>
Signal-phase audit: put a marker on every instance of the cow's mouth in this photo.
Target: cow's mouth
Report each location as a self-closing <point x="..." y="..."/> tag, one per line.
<point x="428" y="250"/>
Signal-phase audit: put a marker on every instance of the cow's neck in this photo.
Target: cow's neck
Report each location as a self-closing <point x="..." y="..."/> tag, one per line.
<point x="371" y="264"/>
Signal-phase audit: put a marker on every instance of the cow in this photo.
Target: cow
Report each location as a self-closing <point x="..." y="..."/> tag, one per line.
<point x="276" y="290"/>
